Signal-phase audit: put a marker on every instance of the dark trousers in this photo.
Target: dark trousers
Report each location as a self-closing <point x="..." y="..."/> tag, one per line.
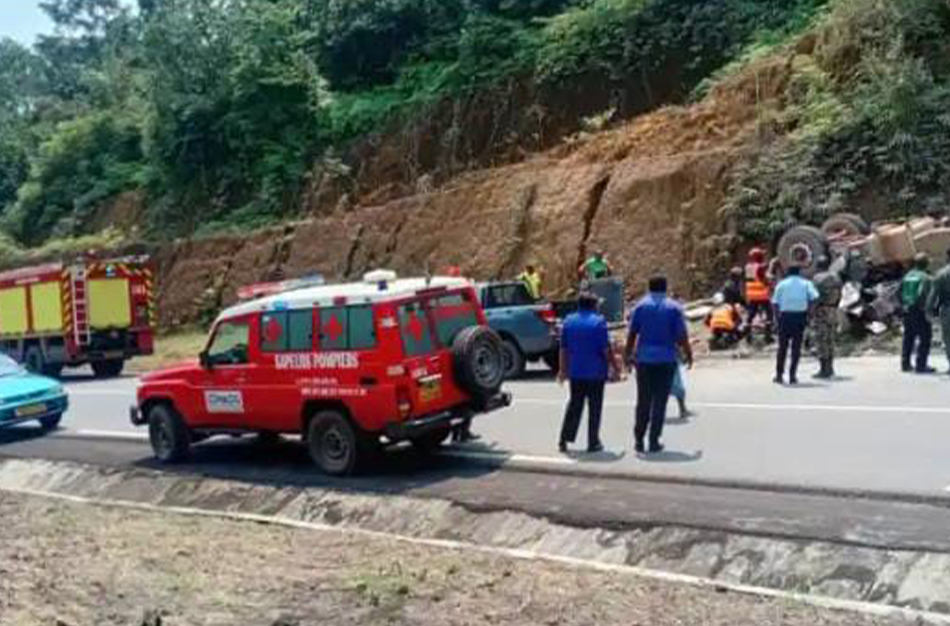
<point x="791" y="332"/>
<point x="591" y="392"/>
<point x="918" y="332"/>
<point x="654" y="381"/>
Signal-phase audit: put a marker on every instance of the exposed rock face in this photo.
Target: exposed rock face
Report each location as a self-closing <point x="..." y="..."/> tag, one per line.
<point x="647" y="193"/>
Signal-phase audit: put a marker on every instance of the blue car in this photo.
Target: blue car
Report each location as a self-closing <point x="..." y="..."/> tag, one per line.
<point x="26" y="397"/>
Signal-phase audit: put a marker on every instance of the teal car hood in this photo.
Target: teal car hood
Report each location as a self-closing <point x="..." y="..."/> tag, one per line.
<point x="21" y="386"/>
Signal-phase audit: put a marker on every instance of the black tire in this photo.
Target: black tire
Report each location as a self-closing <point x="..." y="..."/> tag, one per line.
<point x="553" y="361"/>
<point x="51" y="422"/>
<point x="334" y="443"/>
<point x="514" y="360"/>
<point x="53" y="370"/>
<point x="431" y="441"/>
<point x="169" y="435"/>
<point x="33" y="360"/>
<point x="108" y="369"/>
<point x="802" y="246"/>
<point x="846" y="224"/>
<point x="479" y="362"/>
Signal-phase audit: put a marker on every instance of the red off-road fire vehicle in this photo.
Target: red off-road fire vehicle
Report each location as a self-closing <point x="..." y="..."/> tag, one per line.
<point x="348" y="367"/>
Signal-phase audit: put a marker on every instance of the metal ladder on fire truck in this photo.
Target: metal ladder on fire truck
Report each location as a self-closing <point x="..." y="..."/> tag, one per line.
<point x="81" y="331"/>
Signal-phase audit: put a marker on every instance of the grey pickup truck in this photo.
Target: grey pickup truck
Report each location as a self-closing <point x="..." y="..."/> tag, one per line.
<point x="528" y="328"/>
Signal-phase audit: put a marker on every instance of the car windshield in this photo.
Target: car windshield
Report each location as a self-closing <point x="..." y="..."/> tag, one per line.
<point x="9" y="367"/>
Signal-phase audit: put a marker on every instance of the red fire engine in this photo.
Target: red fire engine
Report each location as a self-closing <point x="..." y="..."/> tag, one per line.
<point x="99" y="312"/>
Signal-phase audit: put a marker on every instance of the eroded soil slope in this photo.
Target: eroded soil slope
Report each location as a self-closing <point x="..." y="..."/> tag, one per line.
<point x="647" y="193"/>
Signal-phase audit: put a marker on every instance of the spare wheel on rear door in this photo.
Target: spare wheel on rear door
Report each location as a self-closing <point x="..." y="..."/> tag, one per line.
<point x="479" y="362"/>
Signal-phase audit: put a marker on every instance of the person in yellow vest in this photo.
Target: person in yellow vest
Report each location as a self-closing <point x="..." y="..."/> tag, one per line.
<point x="725" y="322"/>
<point x="532" y="280"/>
<point x="758" y="290"/>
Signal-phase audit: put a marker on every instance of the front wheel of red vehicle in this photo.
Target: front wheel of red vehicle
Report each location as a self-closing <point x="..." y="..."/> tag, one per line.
<point x="168" y="434"/>
<point x="334" y="443"/>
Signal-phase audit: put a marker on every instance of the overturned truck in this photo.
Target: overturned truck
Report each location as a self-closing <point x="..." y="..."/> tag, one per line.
<point x="871" y="258"/>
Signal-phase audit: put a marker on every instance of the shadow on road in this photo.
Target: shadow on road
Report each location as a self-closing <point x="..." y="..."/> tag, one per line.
<point x="20" y="434"/>
<point x="607" y="456"/>
<point x="287" y="463"/>
<point x="81" y="378"/>
<point x="670" y="456"/>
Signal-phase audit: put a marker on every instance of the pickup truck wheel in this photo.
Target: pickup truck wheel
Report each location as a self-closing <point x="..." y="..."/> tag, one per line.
<point x="51" y="422"/>
<point x="513" y="359"/>
<point x="168" y="434"/>
<point x="108" y="369"/>
<point x="334" y="443"/>
<point x="431" y="441"/>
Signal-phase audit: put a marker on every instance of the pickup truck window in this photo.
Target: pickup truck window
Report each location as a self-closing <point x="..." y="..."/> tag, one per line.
<point x="515" y="294"/>
<point x="230" y="343"/>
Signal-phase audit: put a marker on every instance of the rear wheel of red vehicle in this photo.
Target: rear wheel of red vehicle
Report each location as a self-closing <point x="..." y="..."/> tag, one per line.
<point x="334" y="443"/>
<point x="108" y="369"/>
<point x="168" y="434"/>
<point x="431" y="441"/>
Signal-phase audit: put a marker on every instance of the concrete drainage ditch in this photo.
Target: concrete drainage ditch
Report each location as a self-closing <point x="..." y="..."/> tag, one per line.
<point x="917" y="582"/>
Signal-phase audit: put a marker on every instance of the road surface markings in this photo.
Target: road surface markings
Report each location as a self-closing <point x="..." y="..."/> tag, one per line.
<point x="502" y="456"/>
<point x="105" y="434"/>
<point x="763" y="407"/>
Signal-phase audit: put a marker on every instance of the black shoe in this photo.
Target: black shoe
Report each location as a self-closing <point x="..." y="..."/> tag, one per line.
<point x="594" y="449"/>
<point x="793" y="380"/>
<point x="640" y="447"/>
<point x="906" y="368"/>
<point x="562" y="446"/>
<point x="926" y="370"/>
<point x="778" y="380"/>
<point x="656" y="448"/>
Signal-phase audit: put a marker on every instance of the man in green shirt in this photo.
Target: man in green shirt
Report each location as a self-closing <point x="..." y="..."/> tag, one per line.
<point x="918" y="329"/>
<point x="940" y="303"/>
<point x="596" y="267"/>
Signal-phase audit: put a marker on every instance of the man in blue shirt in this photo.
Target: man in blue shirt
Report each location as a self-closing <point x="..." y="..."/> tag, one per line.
<point x="657" y="329"/>
<point x="793" y="299"/>
<point x="586" y="359"/>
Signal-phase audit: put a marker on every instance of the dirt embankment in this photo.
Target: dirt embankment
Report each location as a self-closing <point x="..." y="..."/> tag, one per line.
<point x="647" y="193"/>
<point x="71" y="564"/>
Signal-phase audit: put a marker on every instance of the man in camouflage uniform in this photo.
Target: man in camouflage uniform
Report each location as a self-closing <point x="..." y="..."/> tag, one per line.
<point x="825" y="321"/>
<point x="940" y="303"/>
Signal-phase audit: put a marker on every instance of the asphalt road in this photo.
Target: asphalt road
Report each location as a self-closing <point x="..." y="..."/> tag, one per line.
<point x="875" y="429"/>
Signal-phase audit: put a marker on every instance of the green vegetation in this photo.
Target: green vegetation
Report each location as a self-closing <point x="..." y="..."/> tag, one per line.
<point x="220" y="110"/>
<point x="866" y="121"/>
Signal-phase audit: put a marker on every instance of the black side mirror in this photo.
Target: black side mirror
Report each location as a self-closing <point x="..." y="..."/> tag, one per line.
<point x="204" y="360"/>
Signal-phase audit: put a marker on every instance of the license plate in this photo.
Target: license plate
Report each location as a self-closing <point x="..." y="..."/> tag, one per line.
<point x="430" y="391"/>
<point x="32" y="409"/>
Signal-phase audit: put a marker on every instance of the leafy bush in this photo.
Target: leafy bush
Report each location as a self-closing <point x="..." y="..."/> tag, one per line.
<point x="869" y="112"/>
<point x="85" y="161"/>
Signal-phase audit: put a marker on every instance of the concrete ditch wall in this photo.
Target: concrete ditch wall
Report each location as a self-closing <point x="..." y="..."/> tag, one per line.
<point x="904" y="579"/>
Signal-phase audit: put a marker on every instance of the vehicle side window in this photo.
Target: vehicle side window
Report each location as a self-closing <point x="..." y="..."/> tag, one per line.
<point x="230" y="344"/>
<point x="287" y="331"/>
<point x="362" y="331"/>
<point x="452" y="314"/>
<point x="347" y="328"/>
<point x="414" y="329"/>
<point x="509" y="295"/>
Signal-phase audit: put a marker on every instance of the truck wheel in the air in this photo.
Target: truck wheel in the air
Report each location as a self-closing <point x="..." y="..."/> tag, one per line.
<point x="108" y="369"/>
<point x="802" y="246"/>
<point x="847" y="224"/>
<point x="168" y="434"/>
